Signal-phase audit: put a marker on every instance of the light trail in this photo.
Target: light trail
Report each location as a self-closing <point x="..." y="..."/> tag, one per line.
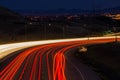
<point x="6" y="49"/>
<point x="27" y="65"/>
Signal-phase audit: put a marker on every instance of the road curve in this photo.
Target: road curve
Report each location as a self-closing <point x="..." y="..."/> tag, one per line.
<point x="48" y="62"/>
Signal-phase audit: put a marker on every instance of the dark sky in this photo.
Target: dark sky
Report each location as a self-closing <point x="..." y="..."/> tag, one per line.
<point x="57" y="4"/>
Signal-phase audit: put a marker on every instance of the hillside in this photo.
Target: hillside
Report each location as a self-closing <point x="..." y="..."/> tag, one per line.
<point x="9" y="22"/>
<point x="7" y="16"/>
<point x="6" y="12"/>
<point x="14" y="29"/>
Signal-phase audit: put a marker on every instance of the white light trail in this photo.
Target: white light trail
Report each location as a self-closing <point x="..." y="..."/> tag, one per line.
<point x="6" y="49"/>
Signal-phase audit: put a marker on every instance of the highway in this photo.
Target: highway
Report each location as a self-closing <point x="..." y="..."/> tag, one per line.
<point x="46" y="60"/>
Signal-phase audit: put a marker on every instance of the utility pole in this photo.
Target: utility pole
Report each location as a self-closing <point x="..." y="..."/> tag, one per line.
<point x="45" y="32"/>
<point x="63" y="31"/>
<point x="25" y="32"/>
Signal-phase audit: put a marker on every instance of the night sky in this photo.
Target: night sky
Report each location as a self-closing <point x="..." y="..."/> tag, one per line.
<point x="57" y="4"/>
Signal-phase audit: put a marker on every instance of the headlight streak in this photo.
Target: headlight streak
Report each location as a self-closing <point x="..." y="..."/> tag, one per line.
<point x="6" y="49"/>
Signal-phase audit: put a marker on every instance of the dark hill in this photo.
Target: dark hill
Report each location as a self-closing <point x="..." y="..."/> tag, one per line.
<point x="4" y="11"/>
<point x="10" y="21"/>
<point x="7" y="16"/>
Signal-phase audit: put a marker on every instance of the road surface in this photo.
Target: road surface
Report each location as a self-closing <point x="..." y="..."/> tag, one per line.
<point x="51" y="61"/>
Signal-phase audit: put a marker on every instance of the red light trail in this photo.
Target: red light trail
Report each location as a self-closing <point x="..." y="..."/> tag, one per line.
<point x="44" y="62"/>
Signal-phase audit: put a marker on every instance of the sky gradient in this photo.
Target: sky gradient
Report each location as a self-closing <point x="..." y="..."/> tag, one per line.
<point x="57" y="4"/>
